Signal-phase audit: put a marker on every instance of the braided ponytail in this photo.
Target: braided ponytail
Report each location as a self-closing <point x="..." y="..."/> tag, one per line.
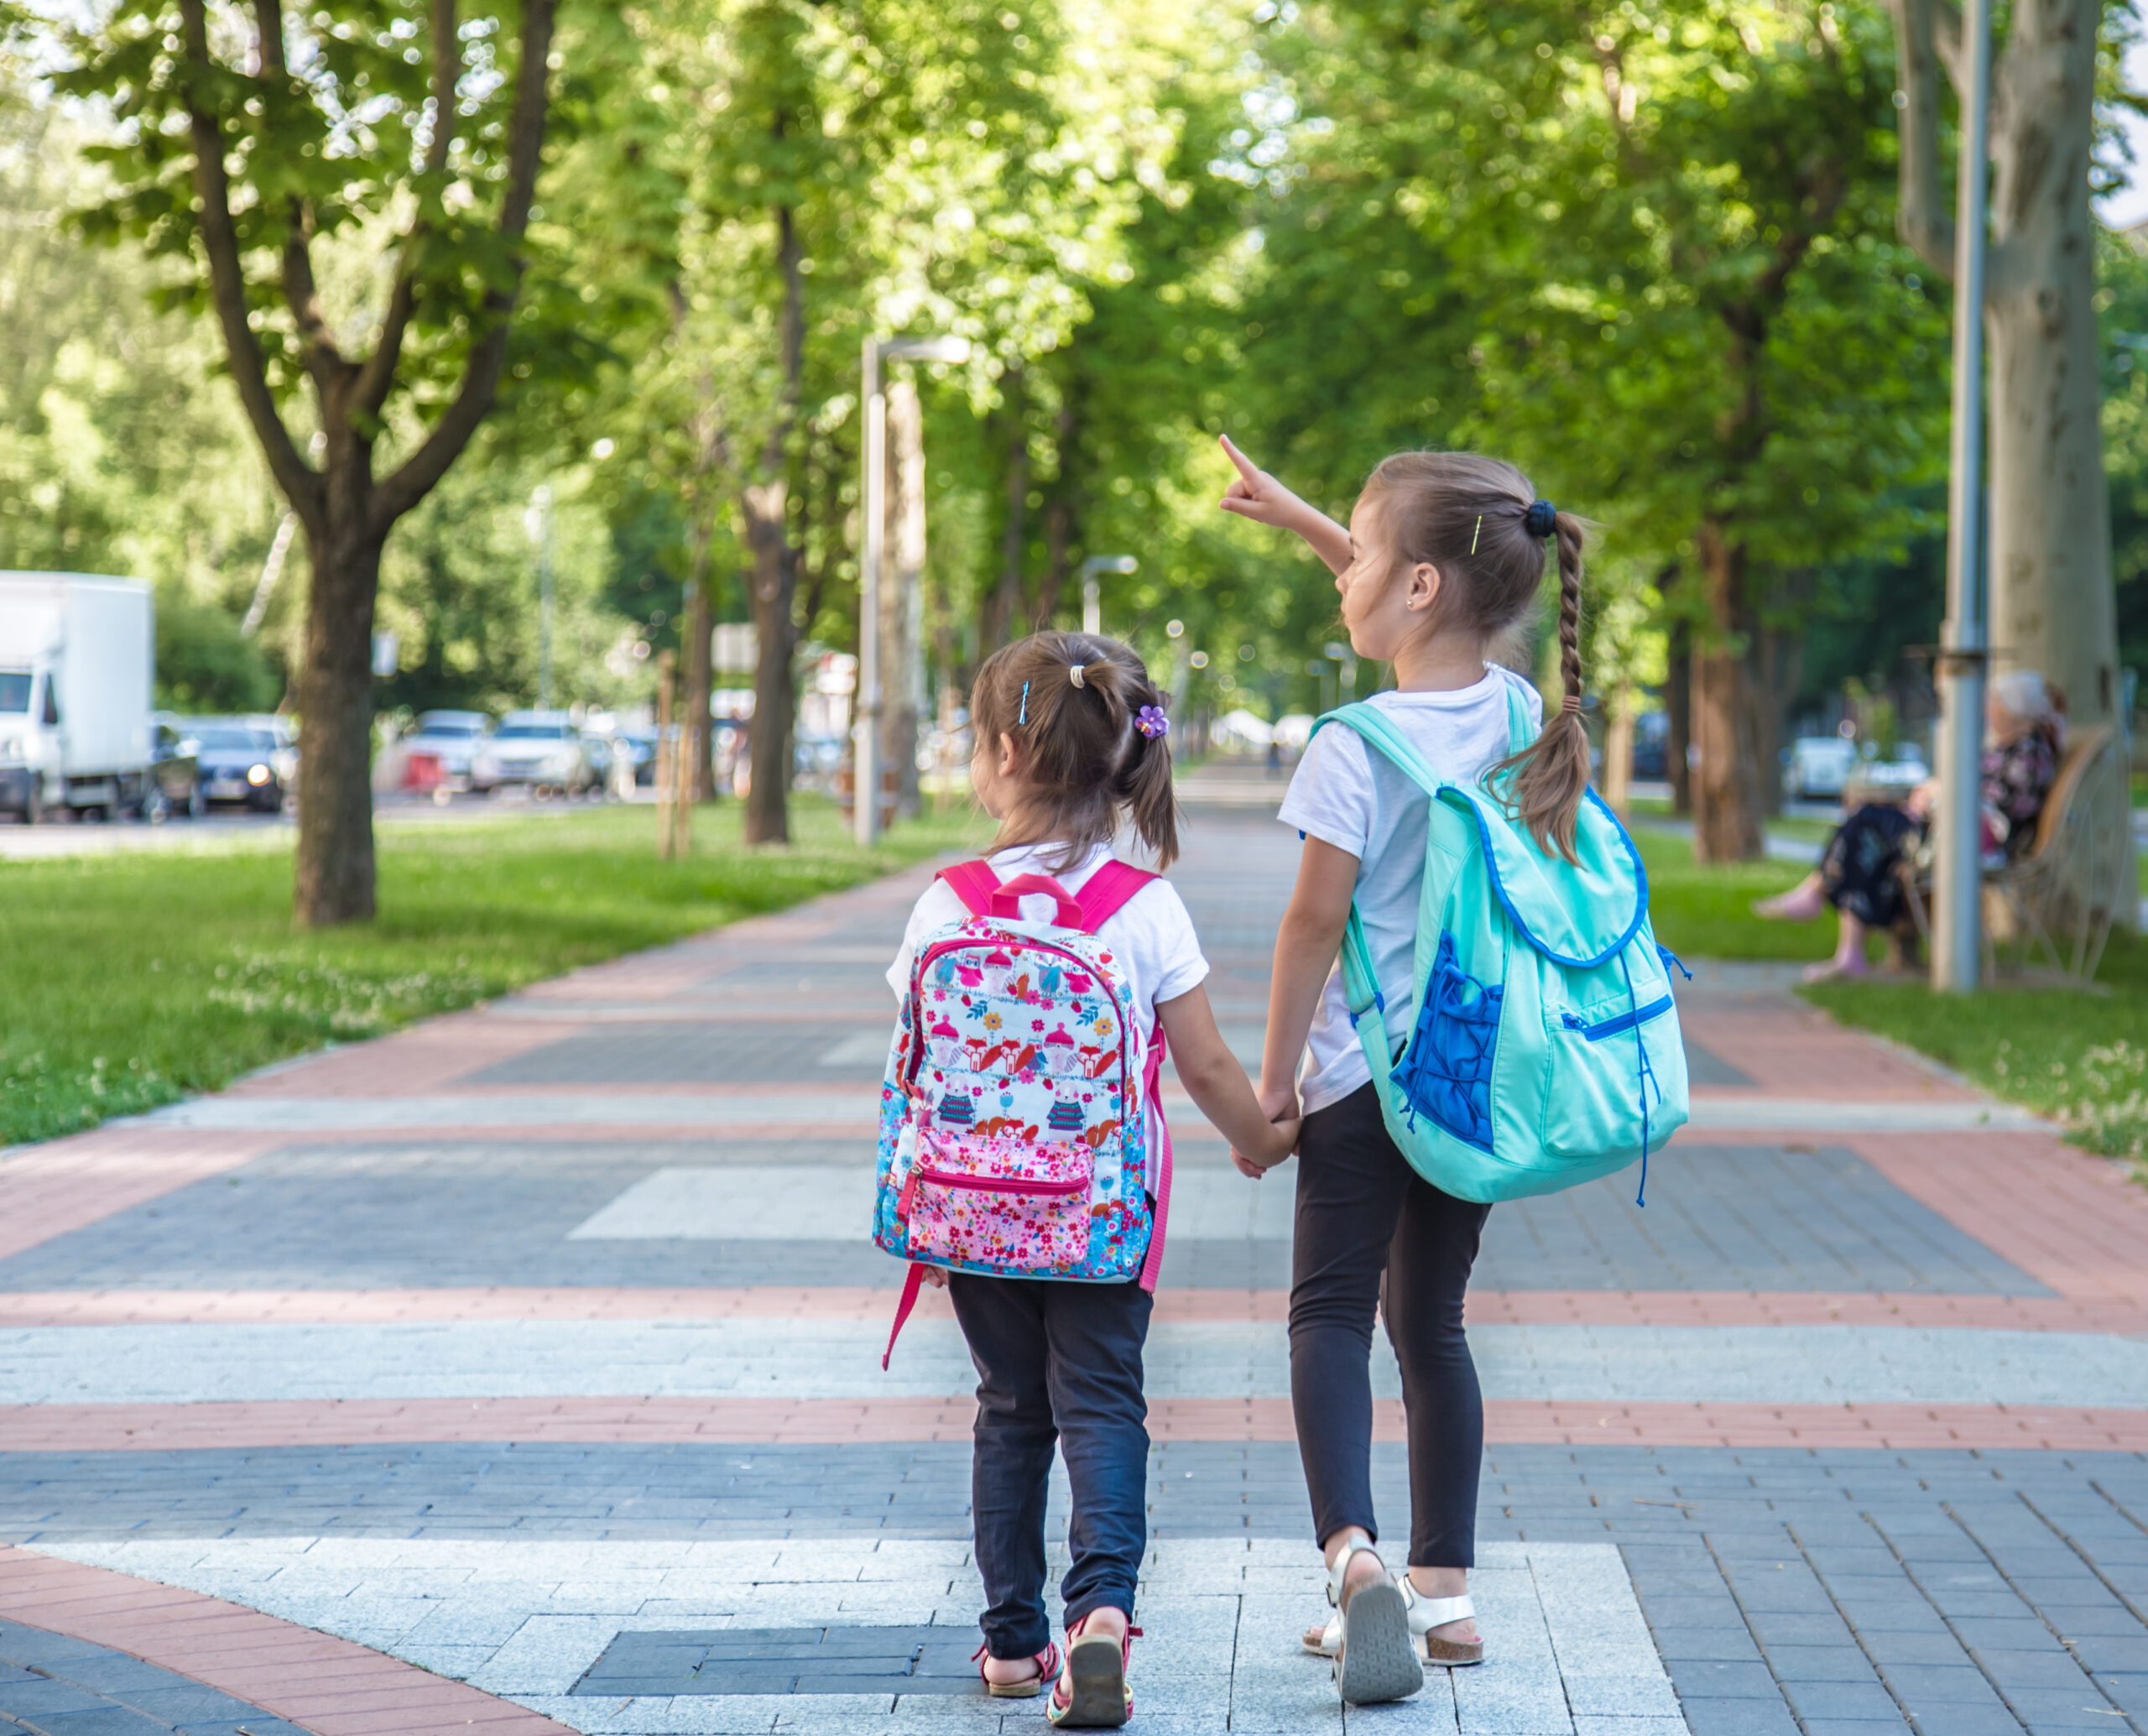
<point x="1478" y="521"/>
<point x="1550" y="776"/>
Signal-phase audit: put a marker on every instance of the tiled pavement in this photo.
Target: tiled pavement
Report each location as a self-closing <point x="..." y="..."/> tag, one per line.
<point x="522" y="1369"/>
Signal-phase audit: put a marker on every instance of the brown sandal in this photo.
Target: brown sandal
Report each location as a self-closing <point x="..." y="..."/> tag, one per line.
<point x="1048" y="1668"/>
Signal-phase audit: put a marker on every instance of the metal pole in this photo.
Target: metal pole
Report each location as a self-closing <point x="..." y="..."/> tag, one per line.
<point x="1957" y="889"/>
<point x="1093" y="610"/>
<point x="865" y="727"/>
<point x="542" y="501"/>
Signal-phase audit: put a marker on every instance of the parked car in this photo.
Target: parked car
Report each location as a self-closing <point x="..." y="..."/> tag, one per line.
<point x="1652" y="745"/>
<point x="1894" y="773"/>
<point x="454" y="738"/>
<point x="816" y="759"/>
<point x="238" y="764"/>
<point x="1819" y="767"/>
<point x="639" y="745"/>
<point x="541" y="750"/>
<point x="601" y="751"/>
<point x="74" y="669"/>
<point x="174" y="785"/>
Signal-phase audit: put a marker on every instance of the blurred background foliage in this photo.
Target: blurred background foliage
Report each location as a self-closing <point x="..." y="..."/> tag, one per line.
<point x="1645" y="249"/>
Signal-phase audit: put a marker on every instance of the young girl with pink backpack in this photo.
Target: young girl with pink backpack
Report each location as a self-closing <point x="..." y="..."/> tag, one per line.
<point x="1024" y="1164"/>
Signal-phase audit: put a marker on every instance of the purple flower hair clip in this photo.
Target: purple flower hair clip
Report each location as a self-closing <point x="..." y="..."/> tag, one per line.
<point x="1151" y="721"/>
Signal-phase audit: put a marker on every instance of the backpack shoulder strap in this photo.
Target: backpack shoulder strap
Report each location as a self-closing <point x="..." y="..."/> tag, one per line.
<point x="973" y="883"/>
<point x="1105" y="892"/>
<point x="1370" y="723"/>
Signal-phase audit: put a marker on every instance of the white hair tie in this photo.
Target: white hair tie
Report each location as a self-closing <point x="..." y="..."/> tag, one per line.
<point x="1076" y="675"/>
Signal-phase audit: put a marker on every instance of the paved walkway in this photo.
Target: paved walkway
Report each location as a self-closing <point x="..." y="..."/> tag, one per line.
<point x="522" y="1370"/>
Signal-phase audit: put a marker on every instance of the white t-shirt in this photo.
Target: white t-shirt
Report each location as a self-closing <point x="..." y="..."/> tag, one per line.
<point x="1352" y="796"/>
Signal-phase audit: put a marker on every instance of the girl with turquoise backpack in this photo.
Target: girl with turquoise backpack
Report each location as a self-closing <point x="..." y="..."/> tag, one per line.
<point x="1500" y="1023"/>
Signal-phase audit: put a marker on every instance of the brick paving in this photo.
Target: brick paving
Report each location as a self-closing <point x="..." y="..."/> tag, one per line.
<point x="455" y="1352"/>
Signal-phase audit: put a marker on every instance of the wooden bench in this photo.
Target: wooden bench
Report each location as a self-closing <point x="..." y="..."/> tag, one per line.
<point x="2054" y="906"/>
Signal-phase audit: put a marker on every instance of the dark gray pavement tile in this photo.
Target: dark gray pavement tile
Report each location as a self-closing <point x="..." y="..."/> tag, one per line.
<point x="1737" y="1718"/>
<point x="444" y="1211"/>
<point x="1866" y="1699"/>
<point x="1723" y="1680"/>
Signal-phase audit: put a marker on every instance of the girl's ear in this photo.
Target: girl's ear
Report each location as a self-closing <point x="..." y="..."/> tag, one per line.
<point x="1423" y="589"/>
<point x="1010" y="756"/>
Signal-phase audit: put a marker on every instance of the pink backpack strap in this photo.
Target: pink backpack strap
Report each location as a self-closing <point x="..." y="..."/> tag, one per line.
<point x="912" y="1283"/>
<point x="1106" y="891"/>
<point x="1151" y="1078"/>
<point x="973" y="883"/>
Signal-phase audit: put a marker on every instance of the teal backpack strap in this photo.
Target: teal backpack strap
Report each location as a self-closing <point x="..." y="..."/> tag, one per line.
<point x="1359" y="987"/>
<point x="1372" y="725"/>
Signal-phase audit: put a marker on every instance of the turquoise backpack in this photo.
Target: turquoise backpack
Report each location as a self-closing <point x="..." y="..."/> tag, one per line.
<point x="1545" y="1050"/>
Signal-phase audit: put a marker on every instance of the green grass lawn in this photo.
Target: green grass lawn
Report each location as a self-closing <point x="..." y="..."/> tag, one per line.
<point x="137" y="978"/>
<point x="2082" y="1059"/>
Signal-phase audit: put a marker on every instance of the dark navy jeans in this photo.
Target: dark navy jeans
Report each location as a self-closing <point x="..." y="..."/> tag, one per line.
<point x="1057" y="1364"/>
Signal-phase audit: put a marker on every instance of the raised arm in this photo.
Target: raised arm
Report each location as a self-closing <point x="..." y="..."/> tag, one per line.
<point x="1257" y="496"/>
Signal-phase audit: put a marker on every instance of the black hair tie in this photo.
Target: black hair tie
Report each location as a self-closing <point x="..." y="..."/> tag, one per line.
<point x="1541" y="518"/>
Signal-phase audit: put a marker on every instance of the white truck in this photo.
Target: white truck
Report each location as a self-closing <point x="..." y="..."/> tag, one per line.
<point x="76" y="657"/>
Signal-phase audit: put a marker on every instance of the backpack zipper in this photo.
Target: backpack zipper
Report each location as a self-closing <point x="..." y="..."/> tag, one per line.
<point x="983" y="1183"/>
<point x="1620" y="1022"/>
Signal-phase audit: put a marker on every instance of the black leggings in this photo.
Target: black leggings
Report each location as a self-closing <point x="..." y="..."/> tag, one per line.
<point x="1363" y="1211"/>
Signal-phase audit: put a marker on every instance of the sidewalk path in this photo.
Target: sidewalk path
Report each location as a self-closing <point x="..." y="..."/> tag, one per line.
<point x="532" y="1355"/>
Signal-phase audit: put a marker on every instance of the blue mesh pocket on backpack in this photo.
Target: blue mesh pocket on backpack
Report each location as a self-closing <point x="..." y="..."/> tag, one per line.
<point x="1446" y="1071"/>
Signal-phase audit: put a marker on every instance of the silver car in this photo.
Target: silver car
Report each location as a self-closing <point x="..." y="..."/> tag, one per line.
<point x="541" y="750"/>
<point x="454" y="738"/>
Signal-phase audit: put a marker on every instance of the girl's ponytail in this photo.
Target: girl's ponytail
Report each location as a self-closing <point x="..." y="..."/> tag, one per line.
<point x="1145" y="782"/>
<point x="1549" y="777"/>
<point x="1091" y="728"/>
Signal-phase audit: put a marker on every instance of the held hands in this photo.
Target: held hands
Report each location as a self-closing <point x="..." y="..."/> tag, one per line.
<point x="1281" y="1109"/>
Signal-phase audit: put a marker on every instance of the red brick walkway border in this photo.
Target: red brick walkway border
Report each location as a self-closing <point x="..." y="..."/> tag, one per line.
<point x="328" y="1686"/>
<point x="335" y="1422"/>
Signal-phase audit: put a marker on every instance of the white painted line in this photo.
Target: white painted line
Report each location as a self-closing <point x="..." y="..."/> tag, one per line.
<point x="810" y="1202"/>
<point x="1570" y="1650"/>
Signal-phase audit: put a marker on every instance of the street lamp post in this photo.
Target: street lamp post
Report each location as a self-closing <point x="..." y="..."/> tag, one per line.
<point x="538" y="521"/>
<point x="1092" y="614"/>
<point x="865" y="727"/>
<point x="1958" y="868"/>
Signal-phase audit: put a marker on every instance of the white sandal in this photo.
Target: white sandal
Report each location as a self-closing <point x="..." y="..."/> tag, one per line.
<point x="1425" y="1614"/>
<point x="1375" y="1653"/>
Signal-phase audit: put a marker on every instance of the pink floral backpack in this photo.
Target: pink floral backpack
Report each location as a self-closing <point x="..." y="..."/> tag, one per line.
<point x="1014" y="1115"/>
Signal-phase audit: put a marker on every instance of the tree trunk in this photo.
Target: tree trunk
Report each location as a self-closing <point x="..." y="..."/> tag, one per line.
<point x="700" y="774"/>
<point x="1618" y="752"/>
<point x="2052" y="605"/>
<point x="776" y="585"/>
<point x="1779" y="659"/>
<point x="902" y="596"/>
<point x="1726" y="776"/>
<point x="1678" y="714"/>
<point x="766" y="505"/>
<point x="334" y="880"/>
<point x="1058" y="525"/>
<point x="1003" y="607"/>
